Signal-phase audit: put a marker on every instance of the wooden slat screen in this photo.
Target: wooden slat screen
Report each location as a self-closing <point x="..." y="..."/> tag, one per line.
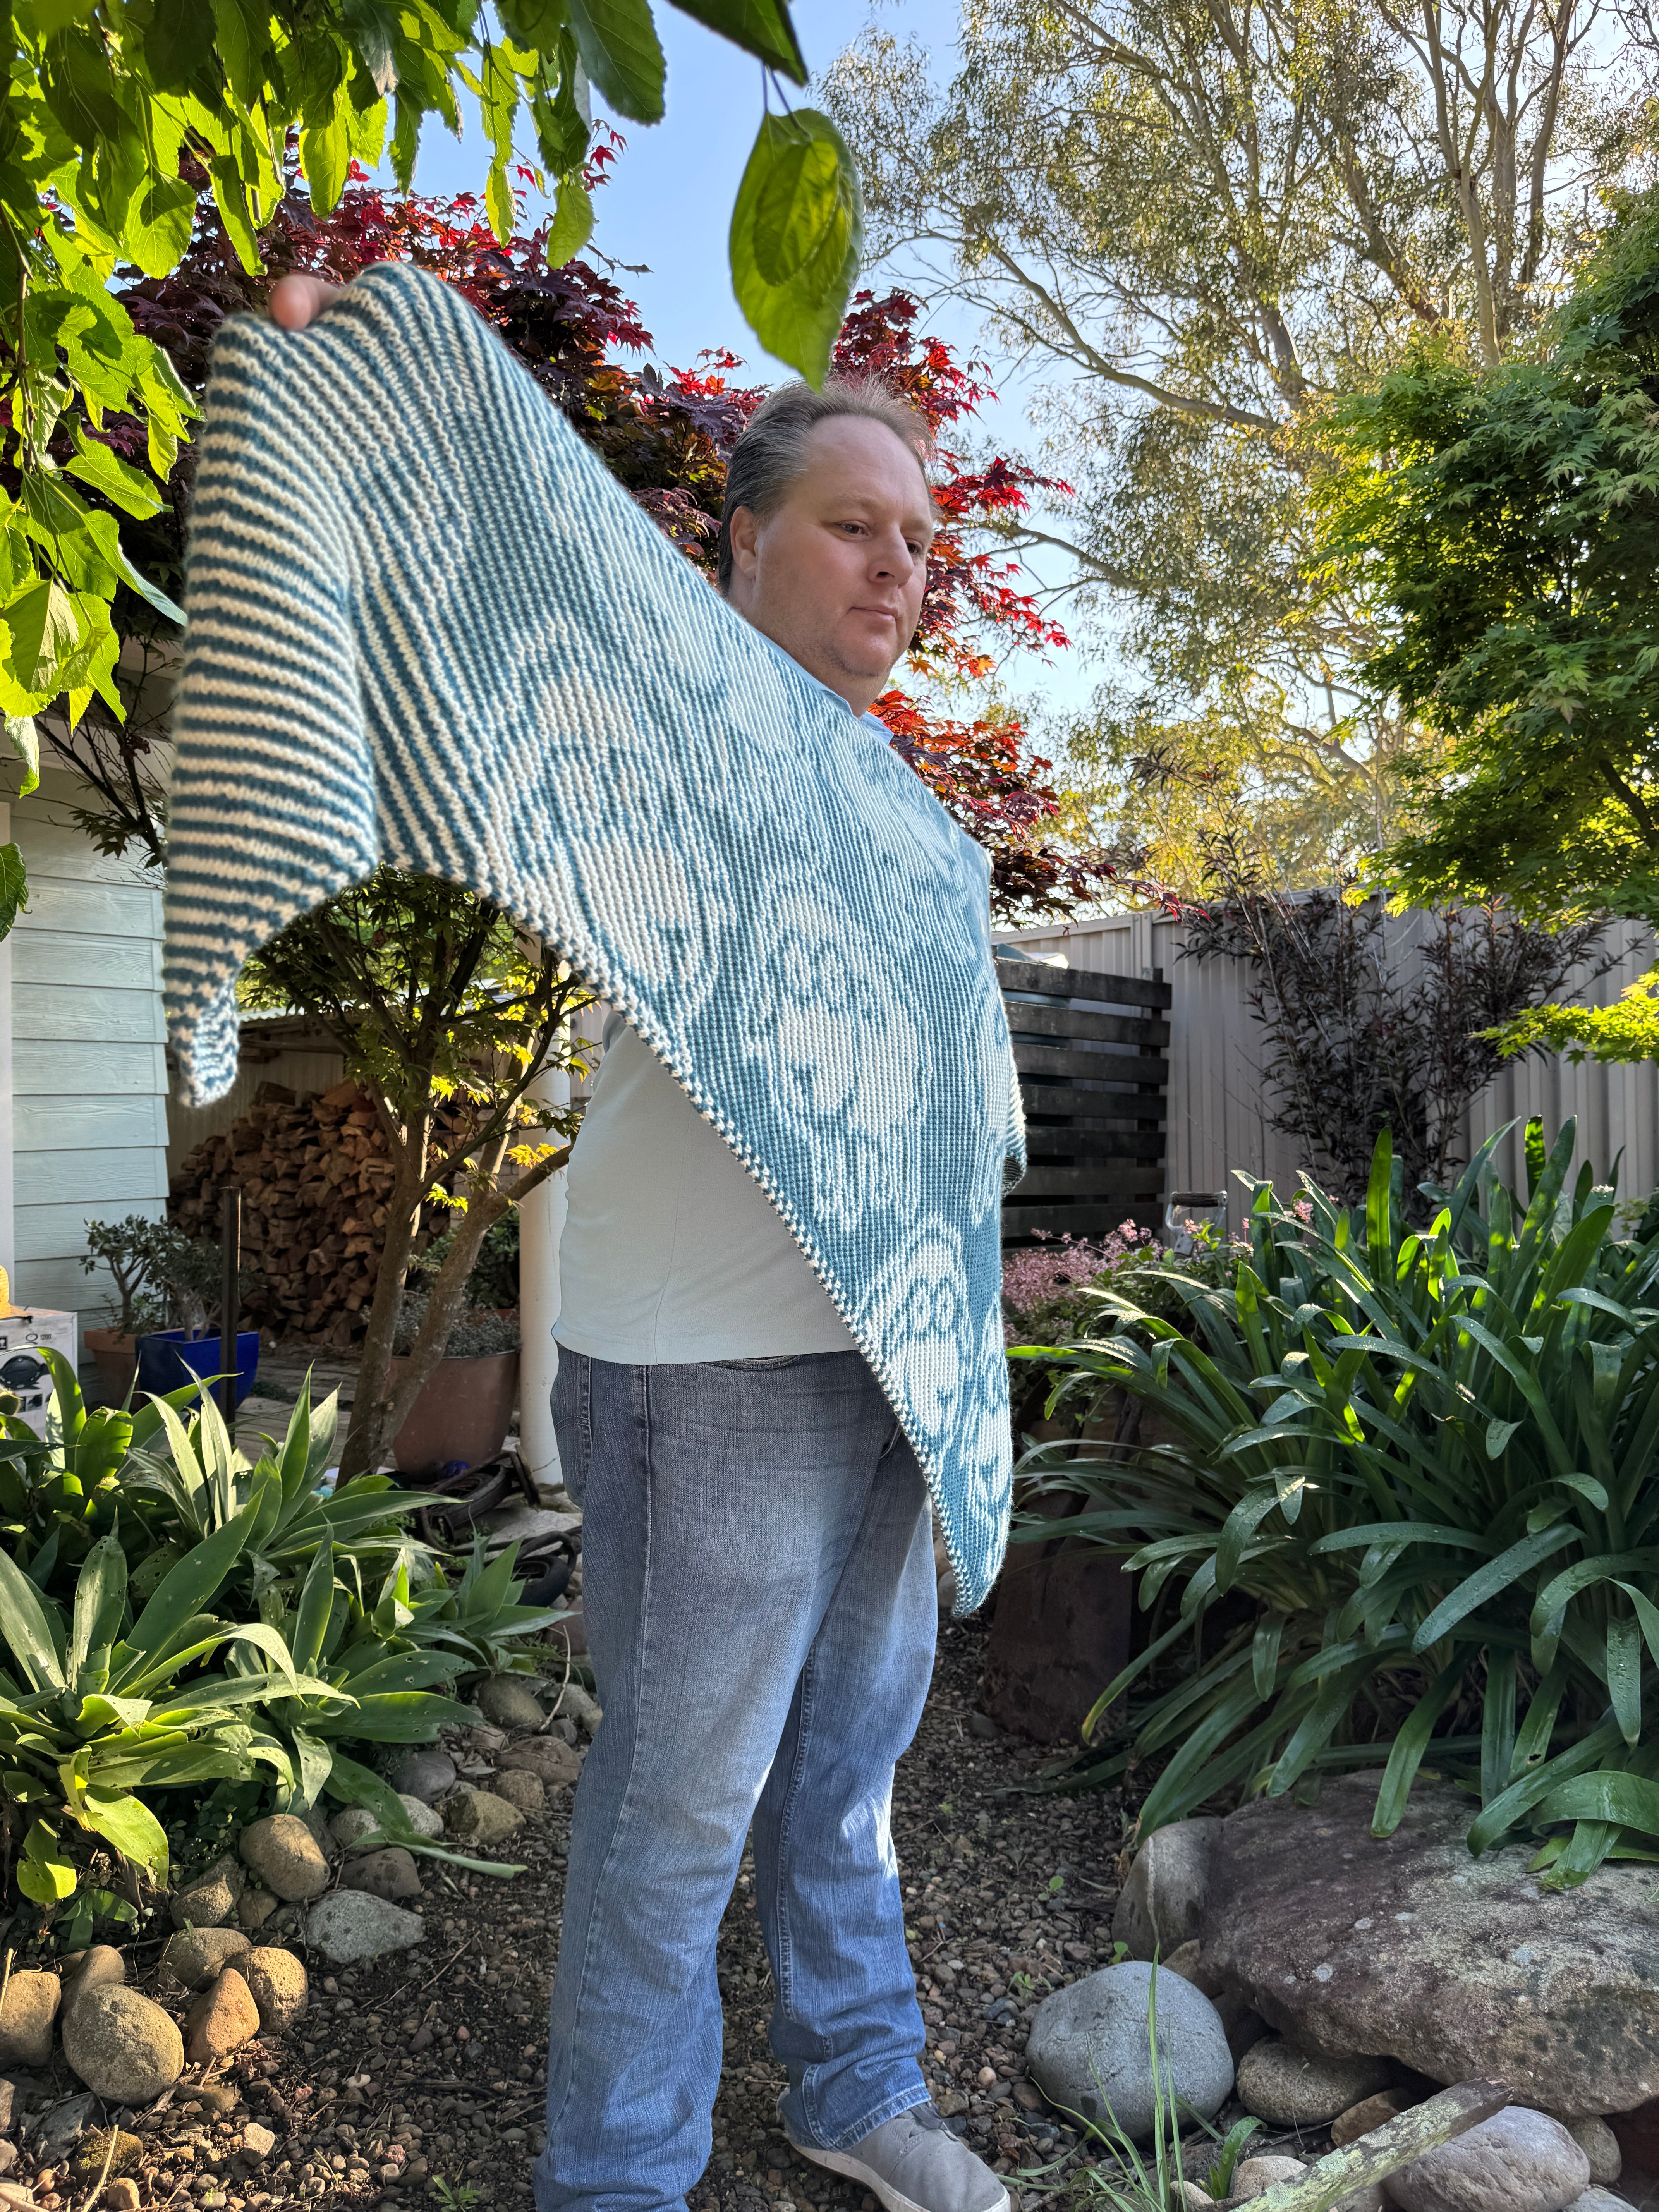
<point x="1093" y="1052"/>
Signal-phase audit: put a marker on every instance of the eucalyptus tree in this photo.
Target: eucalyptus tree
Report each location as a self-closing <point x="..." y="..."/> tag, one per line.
<point x="1201" y="221"/>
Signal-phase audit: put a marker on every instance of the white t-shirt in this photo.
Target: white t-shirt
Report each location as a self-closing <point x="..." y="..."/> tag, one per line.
<point x="671" y="1251"/>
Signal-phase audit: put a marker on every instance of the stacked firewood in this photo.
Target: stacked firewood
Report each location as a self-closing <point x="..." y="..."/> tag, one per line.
<point x="315" y="1177"/>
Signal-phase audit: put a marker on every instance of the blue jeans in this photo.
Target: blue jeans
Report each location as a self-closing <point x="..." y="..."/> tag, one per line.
<point x="758" y="1585"/>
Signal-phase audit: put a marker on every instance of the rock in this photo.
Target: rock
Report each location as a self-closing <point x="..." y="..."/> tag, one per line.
<point x="390" y="1874"/>
<point x="504" y="1699"/>
<point x="1369" y="2199"/>
<point x="63" y="2124"/>
<point x="286" y="1856"/>
<point x="1517" y="2161"/>
<point x="123" y="2196"/>
<point x="8" y="2104"/>
<point x="212" y="1897"/>
<point x="1089" y="2047"/>
<point x="351" y="1925"/>
<point x="521" y="1788"/>
<point x="1597" y="2199"/>
<point x="1252" y="2175"/>
<point x="1371" y="2113"/>
<point x="348" y="1828"/>
<point x="1183" y="1961"/>
<point x="1294" y="2089"/>
<point x="255" y="1908"/>
<point x="101" y="1967"/>
<point x="425" y="1772"/>
<point x="1461" y="1968"/>
<point x="1599" y="2145"/>
<point x="420" y="1815"/>
<point x="196" y="1956"/>
<point x="92" y="2151"/>
<point x="277" y="1981"/>
<point x="1244" y="2026"/>
<point x="26" y="2019"/>
<point x="123" y="2046"/>
<point x="1159" y="1909"/>
<point x="1192" y="2197"/>
<point x="576" y="1704"/>
<point x="222" y="2020"/>
<point x="218" y="2099"/>
<point x="258" y="2140"/>
<point x="553" y="1762"/>
<point x="480" y="1816"/>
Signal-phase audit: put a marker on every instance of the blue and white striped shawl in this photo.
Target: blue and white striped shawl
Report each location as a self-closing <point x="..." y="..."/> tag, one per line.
<point x="426" y="627"/>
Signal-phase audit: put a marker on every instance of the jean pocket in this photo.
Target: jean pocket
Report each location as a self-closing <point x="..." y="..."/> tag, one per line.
<point x="573" y="1420"/>
<point x="757" y="1366"/>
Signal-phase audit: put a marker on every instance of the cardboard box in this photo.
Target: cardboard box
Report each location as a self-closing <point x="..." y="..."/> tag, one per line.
<point x="22" y="1371"/>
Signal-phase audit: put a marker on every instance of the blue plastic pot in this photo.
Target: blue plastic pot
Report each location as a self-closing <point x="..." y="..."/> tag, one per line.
<point x="168" y="1359"/>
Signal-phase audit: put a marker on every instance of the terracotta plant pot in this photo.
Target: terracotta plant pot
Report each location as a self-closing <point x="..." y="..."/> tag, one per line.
<point x="118" y="1360"/>
<point x="462" y="1415"/>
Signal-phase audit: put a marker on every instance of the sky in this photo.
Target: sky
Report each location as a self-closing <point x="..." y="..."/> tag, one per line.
<point x="665" y="206"/>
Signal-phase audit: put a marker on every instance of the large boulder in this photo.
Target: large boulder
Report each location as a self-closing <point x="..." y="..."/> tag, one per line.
<point x="1161" y="1903"/>
<point x="1406" y="1947"/>
<point x="123" y="2046"/>
<point x="1517" y="2161"/>
<point x="1089" y="2050"/>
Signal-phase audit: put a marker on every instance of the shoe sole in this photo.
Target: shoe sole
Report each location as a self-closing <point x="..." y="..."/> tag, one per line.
<point x="843" y="2162"/>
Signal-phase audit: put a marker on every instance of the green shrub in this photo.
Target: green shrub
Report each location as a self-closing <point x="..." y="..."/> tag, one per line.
<point x="1414" y="1483"/>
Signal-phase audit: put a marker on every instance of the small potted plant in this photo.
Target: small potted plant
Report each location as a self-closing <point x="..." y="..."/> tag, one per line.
<point x="187" y="1271"/>
<point x="465" y="1409"/>
<point x="127" y="1248"/>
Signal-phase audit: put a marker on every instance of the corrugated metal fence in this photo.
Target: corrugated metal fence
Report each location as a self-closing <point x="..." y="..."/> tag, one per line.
<point x="1219" y="1109"/>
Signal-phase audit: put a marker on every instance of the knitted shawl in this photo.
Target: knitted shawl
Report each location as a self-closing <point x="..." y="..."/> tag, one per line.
<point x="426" y="627"/>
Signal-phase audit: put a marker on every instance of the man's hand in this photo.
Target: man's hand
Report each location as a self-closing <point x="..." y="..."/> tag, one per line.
<point x="296" y="301"/>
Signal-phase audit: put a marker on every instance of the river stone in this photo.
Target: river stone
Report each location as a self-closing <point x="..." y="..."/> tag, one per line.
<point x="255" y="1908"/>
<point x="480" y="1815"/>
<point x="212" y="1897"/>
<point x="552" y="1761"/>
<point x="123" y="2046"/>
<point x="1294" y="2089"/>
<point x="26" y="2019"/>
<point x="1371" y="2113"/>
<point x="351" y="1925"/>
<point x="1601" y="2147"/>
<point x="277" y="1982"/>
<point x="1597" y="2199"/>
<point x="222" y="2020"/>
<point x="1251" y="2176"/>
<point x="1517" y="2161"/>
<point x="505" y="1700"/>
<point x="285" y="1854"/>
<point x="1089" y="2047"/>
<point x="197" y="1955"/>
<point x="425" y="1772"/>
<point x="102" y="1968"/>
<point x="421" y="1816"/>
<point x="521" y="1788"/>
<point x="1160" y="1907"/>
<point x="1405" y="1946"/>
<point x="348" y="1828"/>
<point x="390" y="1874"/>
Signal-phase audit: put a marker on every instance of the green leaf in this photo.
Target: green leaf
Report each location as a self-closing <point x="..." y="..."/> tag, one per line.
<point x="99" y="1598"/>
<point x="185" y="1590"/>
<point x="1624" y="1665"/>
<point x="44" y="1874"/>
<point x="1623" y="1799"/>
<point x="621" y="52"/>
<point x="25" y="742"/>
<point x="127" y="488"/>
<point x="14" y="887"/>
<point x="781" y="202"/>
<point x="27" y="1627"/>
<point x="573" y="221"/>
<point x="1488" y="1580"/>
<point x="1411" y="1743"/>
<point x="45" y="631"/>
<point x="123" y="1821"/>
<point x="759" y="26"/>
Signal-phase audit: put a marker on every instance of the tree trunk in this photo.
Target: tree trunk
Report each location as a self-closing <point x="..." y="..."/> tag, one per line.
<point x="366" y="1438"/>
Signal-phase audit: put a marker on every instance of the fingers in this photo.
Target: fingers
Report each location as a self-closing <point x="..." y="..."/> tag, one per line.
<point x="297" y="302"/>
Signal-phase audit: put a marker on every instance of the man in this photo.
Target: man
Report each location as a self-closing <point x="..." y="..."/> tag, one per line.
<point x="759" y="1569"/>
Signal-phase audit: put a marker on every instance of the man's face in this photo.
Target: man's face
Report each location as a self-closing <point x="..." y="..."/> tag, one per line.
<point x="836" y="576"/>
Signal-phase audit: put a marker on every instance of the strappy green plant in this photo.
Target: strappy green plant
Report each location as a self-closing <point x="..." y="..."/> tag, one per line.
<point x="1427" y="1456"/>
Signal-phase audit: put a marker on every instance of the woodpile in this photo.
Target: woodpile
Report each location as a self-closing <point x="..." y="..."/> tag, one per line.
<point x="314" y="1176"/>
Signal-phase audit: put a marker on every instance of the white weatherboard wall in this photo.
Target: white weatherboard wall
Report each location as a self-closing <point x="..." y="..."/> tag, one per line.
<point x="1219" y="1109"/>
<point x="88" y="1069"/>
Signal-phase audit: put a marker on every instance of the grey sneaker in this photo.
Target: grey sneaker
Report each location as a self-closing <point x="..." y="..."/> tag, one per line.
<point x="915" y="2164"/>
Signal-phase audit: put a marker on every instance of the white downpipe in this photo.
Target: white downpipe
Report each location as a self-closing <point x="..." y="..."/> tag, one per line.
<point x="541" y="1219"/>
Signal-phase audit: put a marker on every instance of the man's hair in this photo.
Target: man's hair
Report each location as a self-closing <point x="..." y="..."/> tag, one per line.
<point x="771" y="454"/>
